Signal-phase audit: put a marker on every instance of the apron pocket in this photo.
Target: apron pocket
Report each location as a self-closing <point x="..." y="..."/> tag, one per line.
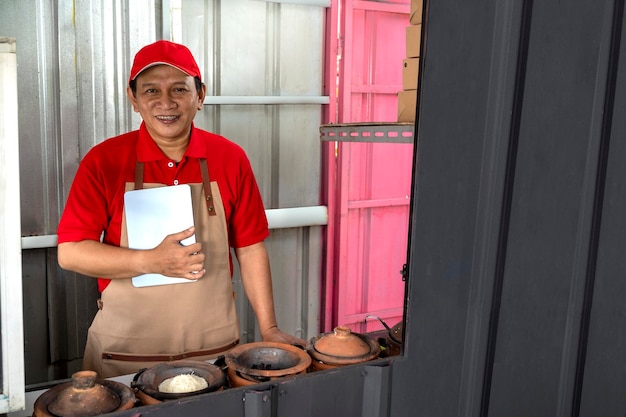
<point x="117" y="363"/>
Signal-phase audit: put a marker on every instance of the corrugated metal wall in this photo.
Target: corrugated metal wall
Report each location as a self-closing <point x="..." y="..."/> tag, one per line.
<point x="73" y="59"/>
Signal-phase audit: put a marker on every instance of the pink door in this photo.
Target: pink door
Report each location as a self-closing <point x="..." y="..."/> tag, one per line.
<point x="367" y="184"/>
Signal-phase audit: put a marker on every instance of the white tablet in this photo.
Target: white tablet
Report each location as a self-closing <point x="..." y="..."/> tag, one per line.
<point x="152" y="214"/>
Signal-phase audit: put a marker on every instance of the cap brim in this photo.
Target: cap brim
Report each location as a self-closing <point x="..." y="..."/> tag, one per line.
<point x="153" y="64"/>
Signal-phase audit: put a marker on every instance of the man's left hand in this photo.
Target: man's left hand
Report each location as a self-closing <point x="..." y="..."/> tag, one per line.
<point x="278" y="336"/>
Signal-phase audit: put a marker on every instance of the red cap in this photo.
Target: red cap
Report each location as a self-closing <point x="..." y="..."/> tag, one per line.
<point x="165" y="52"/>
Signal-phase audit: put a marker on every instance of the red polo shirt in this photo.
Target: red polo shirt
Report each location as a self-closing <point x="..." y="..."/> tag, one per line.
<point x="96" y="199"/>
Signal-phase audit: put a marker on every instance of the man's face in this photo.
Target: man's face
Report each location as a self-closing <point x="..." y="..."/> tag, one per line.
<point x="167" y="100"/>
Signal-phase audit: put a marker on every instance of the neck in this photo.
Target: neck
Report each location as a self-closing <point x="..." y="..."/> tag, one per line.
<point x="173" y="147"/>
<point x="173" y="150"/>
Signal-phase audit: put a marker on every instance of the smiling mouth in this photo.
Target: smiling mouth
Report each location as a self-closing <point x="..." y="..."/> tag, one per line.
<point x="167" y="118"/>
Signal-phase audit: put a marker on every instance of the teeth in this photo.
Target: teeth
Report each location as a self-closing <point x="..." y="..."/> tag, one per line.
<point x="169" y="118"/>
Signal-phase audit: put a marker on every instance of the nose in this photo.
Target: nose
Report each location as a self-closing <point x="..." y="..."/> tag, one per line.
<point x="166" y="101"/>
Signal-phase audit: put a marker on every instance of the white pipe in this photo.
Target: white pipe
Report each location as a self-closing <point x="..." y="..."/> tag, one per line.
<point x="277" y="219"/>
<point x="38" y="242"/>
<point x="11" y="316"/>
<point x="223" y="100"/>
<point x="297" y="217"/>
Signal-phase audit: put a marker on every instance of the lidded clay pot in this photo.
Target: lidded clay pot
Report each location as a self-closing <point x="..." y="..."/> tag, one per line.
<point x="256" y="362"/>
<point x="341" y="347"/>
<point x="85" y="396"/>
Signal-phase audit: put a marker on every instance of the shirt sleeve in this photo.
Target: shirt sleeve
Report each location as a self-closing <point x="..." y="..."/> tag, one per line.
<point x="84" y="216"/>
<point x="248" y="223"/>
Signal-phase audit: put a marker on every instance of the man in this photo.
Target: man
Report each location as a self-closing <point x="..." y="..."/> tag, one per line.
<point x="137" y="327"/>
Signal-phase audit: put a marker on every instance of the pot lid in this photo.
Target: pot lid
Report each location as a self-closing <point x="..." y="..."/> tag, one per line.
<point x="342" y="343"/>
<point x="84" y="397"/>
<point x="343" y="347"/>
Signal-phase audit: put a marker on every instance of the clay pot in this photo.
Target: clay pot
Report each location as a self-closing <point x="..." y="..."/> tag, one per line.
<point x="394" y="337"/>
<point x="341" y="347"/>
<point x="146" y="382"/>
<point x="252" y="363"/>
<point x="85" y="396"/>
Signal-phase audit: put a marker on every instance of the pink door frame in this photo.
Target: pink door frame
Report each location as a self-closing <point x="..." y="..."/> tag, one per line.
<point x="367" y="185"/>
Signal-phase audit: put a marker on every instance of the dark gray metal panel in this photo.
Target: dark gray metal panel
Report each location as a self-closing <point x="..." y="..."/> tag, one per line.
<point x="258" y="403"/>
<point x="337" y="392"/>
<point x="72" y="305"/>
<point x="604" y="371"/>
<point x="564" y="70"/>
<point x="229" y="403"/>
<point x="376" y="391"/>
<point x="35" y="317"/>
<point x="57" y="312"/>
<point x="468" y="73"/>
<point x="330" y="393"/>
<point x="516" y="287"/>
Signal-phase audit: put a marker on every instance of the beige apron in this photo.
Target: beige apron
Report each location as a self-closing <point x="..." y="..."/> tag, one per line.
<point x="136" y="328"/>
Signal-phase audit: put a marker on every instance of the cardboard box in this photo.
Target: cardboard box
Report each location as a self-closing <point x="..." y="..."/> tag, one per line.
<point x="407" y="102"/>
<point x="410" y="69"/>
<point x="413" y="40"/>
<point x="415" y="17"/>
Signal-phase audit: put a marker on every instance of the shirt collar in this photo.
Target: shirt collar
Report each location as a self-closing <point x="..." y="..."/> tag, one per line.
<point x="147" y="149"/>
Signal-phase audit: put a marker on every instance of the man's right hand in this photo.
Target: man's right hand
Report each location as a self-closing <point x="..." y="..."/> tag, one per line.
<point x="173" y="259"/>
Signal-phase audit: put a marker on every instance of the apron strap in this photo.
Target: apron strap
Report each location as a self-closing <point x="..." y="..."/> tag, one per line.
<point x="138" y="175"/>
<point x="206" y="183"/>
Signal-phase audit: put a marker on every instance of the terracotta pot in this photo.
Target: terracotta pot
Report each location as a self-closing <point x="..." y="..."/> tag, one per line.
<point x="146" y="382"/>
<point x="85" y="396"/>
<point x="252" y="363"/>
<point x="341" y="347"/>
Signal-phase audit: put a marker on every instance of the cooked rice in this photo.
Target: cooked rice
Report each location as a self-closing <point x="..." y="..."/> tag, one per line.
<point x="183" y="383"/>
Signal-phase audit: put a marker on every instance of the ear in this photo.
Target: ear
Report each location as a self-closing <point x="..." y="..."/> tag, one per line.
<point x="201" y="96"/>
<point x="133" y="100"/>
